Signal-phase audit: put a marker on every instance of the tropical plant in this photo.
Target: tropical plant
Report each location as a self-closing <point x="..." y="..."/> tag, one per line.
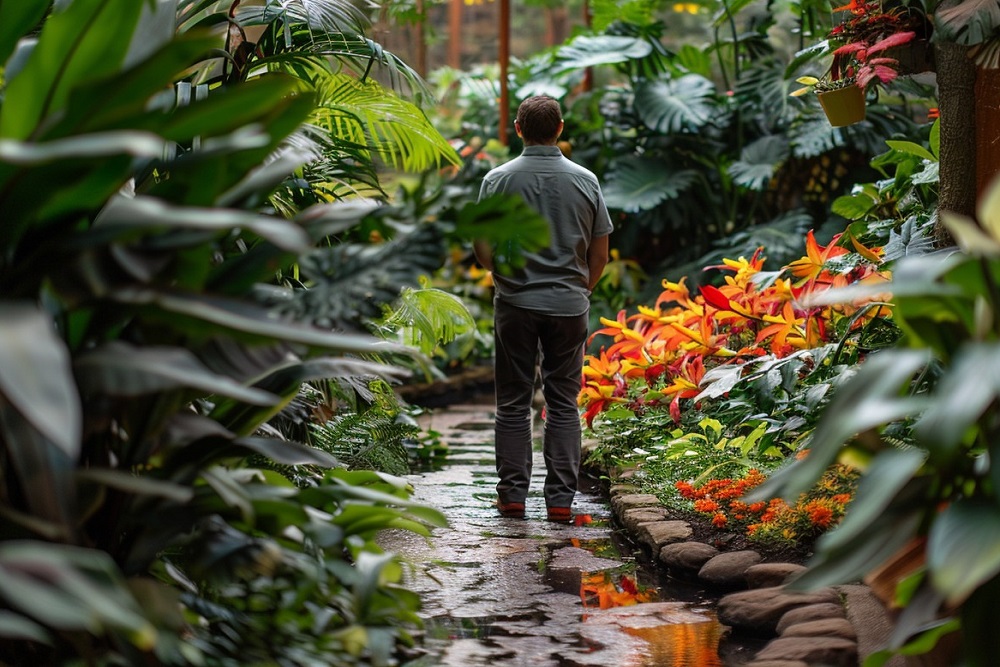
<point x="661" y="355"/>
<point x="368" y="110"/>
<point x="861" y="44"/>
<point x="923" y="436"/>
<point x="144" y="505"/>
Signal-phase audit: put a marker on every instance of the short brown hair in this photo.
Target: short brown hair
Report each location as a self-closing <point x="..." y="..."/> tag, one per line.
<point x="538" y="118"/>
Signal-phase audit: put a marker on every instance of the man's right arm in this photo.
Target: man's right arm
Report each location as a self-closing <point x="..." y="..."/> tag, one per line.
<point x="484" y="253"/>
<point x="597" y="259"/>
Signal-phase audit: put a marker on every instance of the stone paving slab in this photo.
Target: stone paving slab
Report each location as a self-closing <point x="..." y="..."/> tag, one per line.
<point x="500" y="591"/>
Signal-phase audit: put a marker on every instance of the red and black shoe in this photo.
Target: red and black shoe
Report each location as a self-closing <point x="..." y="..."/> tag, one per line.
<point x="510" y="510"/>
<point x="560" y="514"/>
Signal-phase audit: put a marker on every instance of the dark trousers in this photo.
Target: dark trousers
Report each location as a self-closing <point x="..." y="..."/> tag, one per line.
<point x="521" y="335"/>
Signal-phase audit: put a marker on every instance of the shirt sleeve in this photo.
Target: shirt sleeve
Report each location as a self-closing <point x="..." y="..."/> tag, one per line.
<point x="602" y="220"/>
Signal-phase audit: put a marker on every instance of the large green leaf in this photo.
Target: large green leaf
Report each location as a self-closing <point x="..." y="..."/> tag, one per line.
<point x="78" y="44"/>
<point x="641" y="183"/>
<point x="869" y="399"/>
<point x="147" y="212"/>
<point x="675" y="105"/>
<point x="595" y="50"/>
<point x="958" y="403"/>
<point x="36" y="377"/>
<point x="288" y="453"/>
<point x="963" y="548"/>
<point x="17" y="17"/>
<point x="204" y="317"/>
<point x="44" y="471"/>
<point x="131" y="98"/>
<point x="759" y="161"/>
<point x="69" y="588"/>
<point x="121" y="369"/>
<point x="14" y="626"/>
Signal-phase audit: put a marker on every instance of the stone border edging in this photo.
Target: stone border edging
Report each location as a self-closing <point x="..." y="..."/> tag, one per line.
<point x="830" y="626"/>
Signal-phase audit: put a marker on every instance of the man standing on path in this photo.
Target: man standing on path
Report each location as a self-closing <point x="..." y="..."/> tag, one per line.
<point x="543" y="308"/>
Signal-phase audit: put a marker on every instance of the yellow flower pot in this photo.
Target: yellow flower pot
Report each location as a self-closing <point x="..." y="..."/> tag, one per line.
<point x="844" y="106"/>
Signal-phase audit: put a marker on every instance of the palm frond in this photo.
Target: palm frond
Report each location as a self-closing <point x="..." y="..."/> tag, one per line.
<point x="336" y="16"/>
<point x="427" y="318"/>
<point x="363" y="113"/>
<point x="969" y="22"/>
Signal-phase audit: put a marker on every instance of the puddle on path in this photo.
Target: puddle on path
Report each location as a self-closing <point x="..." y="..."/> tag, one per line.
<point x="529" y="592"/>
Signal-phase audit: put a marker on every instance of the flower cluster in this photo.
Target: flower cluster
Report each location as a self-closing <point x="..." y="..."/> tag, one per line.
<point x="865" y="37"/>
<point x="659" y="355"/>
<point x="720" y="501"/>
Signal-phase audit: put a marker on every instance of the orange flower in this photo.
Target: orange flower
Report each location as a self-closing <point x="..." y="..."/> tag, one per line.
<point x="705" y="505"/>
<point x="819" y="514"/>
<point x="719" y="520"/>
<point x="811" y="266"/>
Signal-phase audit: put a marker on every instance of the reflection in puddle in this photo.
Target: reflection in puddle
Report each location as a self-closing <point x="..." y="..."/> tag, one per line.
<point x="680" y="645"/>
<point x="603" y="590"/>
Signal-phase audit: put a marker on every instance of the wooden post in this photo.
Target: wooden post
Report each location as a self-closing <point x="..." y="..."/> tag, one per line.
<point x="987" y="128"/>
<point x="504" y="63"/>
<point x="455" y="34"/>
<point x="421" y="45"/>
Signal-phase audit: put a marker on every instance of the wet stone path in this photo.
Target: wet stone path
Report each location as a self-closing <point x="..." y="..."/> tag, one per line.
<point x="500" y="591"/>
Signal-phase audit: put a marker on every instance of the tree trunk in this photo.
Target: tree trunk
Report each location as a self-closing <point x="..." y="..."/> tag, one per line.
<point x="956" y="77"/>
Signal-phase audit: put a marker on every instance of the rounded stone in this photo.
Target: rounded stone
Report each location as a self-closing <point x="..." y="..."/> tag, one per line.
<point x="832" y="651"/>
<point x="633" y="518"/>
<point x="660" y="533"/>
<point x="812" y="612"/>
<point x="728" y="569"/>
<point x="760" y="609"/>
<point x="826" y="627"/>
<point x="765" y="575"/>
<point x="687" y="556"/>
<point x="629" y="500"/>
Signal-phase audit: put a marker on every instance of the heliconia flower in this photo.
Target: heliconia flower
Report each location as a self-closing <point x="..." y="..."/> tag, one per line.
<point x="809" y="267"/>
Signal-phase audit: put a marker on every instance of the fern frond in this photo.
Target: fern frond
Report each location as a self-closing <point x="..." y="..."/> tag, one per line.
<point x="372" y="440"/>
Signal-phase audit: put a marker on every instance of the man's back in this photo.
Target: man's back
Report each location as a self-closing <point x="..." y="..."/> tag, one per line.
<point x="554" y="280"/>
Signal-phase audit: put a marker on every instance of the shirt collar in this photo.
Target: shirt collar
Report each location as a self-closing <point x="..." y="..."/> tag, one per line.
<point x="541" y="149"/>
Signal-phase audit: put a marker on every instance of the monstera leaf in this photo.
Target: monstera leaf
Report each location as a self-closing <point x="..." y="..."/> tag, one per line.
<point x="759" y="161"/>
<point x="640" y="184"/>
<point x="675" y="105"/>
<point x="592" y="51"/>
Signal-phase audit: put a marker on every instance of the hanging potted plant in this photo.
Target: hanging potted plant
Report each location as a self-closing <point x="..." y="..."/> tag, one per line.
<point x="860" y="61"/>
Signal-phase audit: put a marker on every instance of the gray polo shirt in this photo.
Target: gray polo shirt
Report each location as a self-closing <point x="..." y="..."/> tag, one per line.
<point x="554" y="280"/>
